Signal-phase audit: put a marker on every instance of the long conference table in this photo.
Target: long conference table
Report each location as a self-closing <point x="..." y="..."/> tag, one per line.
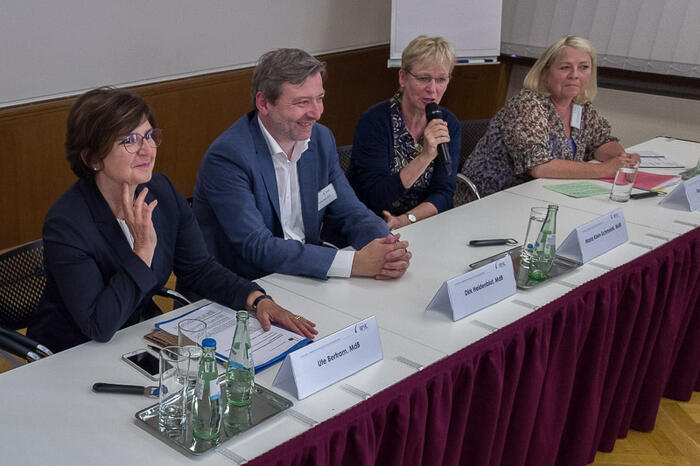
<point x="547" y="376"/>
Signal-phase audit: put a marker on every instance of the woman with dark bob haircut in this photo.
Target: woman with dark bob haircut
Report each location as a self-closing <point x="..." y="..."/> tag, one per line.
<point x="113" y="239"/>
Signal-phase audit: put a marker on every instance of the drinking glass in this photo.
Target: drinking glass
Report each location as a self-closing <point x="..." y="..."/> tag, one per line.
<point x="623" y="183"/>
<point x="534" y="226"/>
<point x="190" y="333"/>
<point x="172" y="389"/>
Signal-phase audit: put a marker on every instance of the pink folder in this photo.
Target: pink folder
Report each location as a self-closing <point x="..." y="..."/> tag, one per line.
<point x="649" y="181"/>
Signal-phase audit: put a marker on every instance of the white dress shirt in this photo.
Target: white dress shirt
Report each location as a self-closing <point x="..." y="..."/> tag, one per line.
<point x="290" y="199"/>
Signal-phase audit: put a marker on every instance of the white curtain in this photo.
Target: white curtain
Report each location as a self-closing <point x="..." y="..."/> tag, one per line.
<point x="656" y="36"/>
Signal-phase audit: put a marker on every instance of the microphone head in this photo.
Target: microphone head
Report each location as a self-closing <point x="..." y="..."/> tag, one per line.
<point x="432" y="111"/>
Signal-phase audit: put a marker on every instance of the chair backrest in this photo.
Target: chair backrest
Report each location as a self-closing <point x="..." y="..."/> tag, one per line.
<point x="344" y="153"/>
<point x="472" y="132"/>
<point x="22" y="283"/>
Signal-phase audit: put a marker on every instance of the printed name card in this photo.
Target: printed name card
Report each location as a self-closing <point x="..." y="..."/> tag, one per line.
<point x="596" y="237"/>
<point x="686" y="196"/>
<point x="330" y="359"/>
<point x="476" y="289"/>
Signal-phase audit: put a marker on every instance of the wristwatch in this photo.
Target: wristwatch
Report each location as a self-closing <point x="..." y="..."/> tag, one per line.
<point x="254" y="306"/>
<point x="411" y="218"/>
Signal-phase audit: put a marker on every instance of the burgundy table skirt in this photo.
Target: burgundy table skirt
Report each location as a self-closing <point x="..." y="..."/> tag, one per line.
<point x="551" y="388"/>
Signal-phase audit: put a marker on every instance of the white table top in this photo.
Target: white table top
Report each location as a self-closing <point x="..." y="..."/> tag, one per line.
<point x="647" y="211"/>
<point x="51" y="416"/>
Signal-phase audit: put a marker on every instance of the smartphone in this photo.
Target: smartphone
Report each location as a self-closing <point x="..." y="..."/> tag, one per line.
<point x="143" y="361"/>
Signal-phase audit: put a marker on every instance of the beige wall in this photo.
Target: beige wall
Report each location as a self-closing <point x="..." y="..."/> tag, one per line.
<point x="636" y="117"/>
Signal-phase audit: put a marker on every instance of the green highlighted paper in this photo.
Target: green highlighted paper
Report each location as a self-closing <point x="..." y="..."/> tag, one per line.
<point x="579" y="189"/>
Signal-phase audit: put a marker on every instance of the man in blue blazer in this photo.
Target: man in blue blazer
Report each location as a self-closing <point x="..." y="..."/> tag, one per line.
<point x="269" y="183"/>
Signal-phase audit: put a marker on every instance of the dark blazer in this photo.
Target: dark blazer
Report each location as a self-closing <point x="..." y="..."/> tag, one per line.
<point x="237" y="205"/>
<point x="97" y="285"/>
<point x="373" y="158"/>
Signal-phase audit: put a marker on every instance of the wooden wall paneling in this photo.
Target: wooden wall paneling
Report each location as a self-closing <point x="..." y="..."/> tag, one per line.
<point x="34" y="170"/>
<point x="193" y="112"/>
<point x="477" y="91"/>
<point x="356" y="80"/>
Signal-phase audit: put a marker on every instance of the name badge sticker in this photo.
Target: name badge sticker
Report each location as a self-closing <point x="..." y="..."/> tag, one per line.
<point x="576" y="112"/>
<point x="600" y="235"/>
<point x="330" y="359"/>
<point x="326" y="196"/>
<point x="476" y="289"/>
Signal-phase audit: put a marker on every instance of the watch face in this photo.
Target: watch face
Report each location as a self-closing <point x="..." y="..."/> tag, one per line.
<point x="411" y="218"/>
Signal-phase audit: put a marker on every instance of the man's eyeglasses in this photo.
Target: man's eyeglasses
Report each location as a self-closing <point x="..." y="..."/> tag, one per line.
<point x="426" y="80"/>
<point x="134" y="141"/>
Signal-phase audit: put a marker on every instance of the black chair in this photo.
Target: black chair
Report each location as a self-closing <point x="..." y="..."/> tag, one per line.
<point x="472" y="132"/>
<point x="344" y="153"/>
<point x="22" y="282"/>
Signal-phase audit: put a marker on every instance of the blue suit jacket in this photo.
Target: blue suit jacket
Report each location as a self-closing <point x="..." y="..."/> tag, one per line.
<point x="237" y="205"/>
<point x="97" y="285"/>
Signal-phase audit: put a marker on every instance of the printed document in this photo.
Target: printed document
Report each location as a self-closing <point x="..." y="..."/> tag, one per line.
<point x="268" y="347"/>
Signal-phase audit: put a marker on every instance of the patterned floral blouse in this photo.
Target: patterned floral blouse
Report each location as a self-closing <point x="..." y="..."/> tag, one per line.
<point x="406" y="150"/>
<point x="528" y="132"/>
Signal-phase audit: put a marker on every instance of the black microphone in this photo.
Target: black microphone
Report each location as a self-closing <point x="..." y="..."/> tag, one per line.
<point x="432" y="111"/>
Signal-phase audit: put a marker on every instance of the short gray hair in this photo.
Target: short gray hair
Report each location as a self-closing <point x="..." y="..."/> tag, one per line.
<point x="281" y="66"/>
<point x="428" y="51"/>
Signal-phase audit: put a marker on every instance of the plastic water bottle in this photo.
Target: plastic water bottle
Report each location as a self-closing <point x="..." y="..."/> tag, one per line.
<point x="206" y="404"/>
<point x="240" y="372"/>
<point x="545" y="248"/>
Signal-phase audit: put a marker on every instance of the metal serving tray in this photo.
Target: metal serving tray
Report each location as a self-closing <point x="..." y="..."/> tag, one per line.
<point x="561" y="266"/>
<point x="264" y="404"/>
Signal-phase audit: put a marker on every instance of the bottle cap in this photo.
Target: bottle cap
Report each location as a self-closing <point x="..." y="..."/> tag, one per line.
<point x="208" y="343"/>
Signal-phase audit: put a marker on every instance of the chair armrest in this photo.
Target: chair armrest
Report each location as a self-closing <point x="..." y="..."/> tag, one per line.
<point x="168" y="293"/>
<point x="470" y="184"/>
<point x="24" y="340"/>
<point x="12" y="346"/>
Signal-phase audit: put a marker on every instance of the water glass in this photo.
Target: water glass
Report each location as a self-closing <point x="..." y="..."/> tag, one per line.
<point x="623" y="183"/>
<point x="534" y="226"/>
<point x="190" y="333"/>
<point x="172" y="389"/>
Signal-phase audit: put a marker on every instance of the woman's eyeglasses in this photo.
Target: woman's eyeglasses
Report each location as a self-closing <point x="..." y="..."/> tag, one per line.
<point x="134" y="141"/>
<point x="426" y="80"/>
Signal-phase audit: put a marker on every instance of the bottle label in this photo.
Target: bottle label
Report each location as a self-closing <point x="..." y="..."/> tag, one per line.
<point x="199" y="389"/>
<point x="551" y="241"/>
<point x="214" y="390"/>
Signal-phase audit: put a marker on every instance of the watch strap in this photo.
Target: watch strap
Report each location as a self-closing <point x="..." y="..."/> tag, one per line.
<point x="254" y="306"/>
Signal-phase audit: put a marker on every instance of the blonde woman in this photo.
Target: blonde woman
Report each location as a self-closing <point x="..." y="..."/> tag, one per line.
<point x="550" y="129"/>
<point x="394" y="168"/>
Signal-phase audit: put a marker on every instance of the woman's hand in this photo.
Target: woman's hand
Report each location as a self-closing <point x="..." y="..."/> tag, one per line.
<point x="613" y="164"/>
<point x="269" y="311"/>
<point x="436" y="132"/>
<point x="137" y="215"/>
<point x="394" y="222"/>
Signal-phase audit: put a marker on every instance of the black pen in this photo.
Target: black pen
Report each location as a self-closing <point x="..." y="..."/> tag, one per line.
<point x="644" y="195"/>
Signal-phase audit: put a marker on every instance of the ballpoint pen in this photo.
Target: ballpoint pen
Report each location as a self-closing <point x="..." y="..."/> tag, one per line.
<point x="646" y="194"/>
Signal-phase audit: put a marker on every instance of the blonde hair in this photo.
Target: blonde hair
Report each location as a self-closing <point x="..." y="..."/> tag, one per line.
<point x="424" y="50"/>
<point x="536" y="78"/>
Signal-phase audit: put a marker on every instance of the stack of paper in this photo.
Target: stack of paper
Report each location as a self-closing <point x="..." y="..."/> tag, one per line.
<point x="268" y="347"/>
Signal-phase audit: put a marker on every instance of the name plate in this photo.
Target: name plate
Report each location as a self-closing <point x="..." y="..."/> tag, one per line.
<point x="476" y="289"/>
<point x="596" y="237"/>
<point x="686" y="196"/>
<point x="330" y="359"/>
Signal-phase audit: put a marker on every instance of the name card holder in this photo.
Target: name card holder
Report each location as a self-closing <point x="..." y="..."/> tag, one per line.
<point x="476" y="289"/>
<point x="686" y="196"/>
<point x="596" y="237"/>
<point x="330" y="359"/>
